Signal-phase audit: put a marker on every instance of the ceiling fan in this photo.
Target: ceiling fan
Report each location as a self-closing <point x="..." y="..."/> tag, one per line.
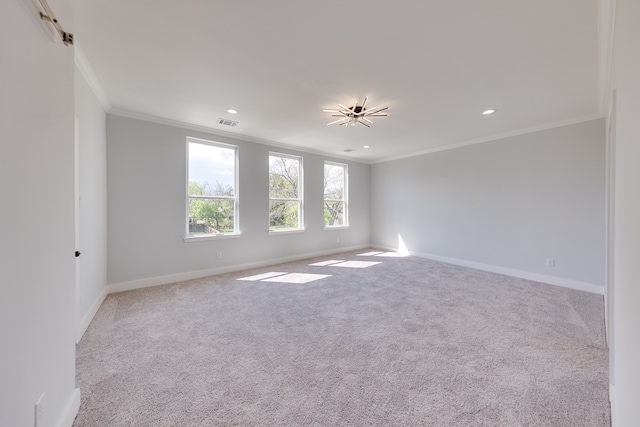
<point x="356" y="114"/>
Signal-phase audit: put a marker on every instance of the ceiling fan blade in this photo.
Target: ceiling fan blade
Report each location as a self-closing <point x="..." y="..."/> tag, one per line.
<point x="338" y="121"/>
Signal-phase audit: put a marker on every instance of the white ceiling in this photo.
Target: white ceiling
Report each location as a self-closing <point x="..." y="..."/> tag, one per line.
<point x="436" y="63"/>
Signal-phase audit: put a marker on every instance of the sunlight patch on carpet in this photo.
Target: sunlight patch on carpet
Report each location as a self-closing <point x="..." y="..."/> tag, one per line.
<point x="374" y="253"/>
<point x="264" y="276"/>
<point x="297" y="278"/>
<point x="356" y="264"/>
<point x="329" y="262"/>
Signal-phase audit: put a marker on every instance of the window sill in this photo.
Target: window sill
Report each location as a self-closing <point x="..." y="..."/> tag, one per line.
<point x="336" y="227"/>
<point x="286" y="231"/>
<point x="192" y="239"/>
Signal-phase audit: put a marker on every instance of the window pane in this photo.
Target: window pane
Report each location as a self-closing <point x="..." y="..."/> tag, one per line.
<point x="208" y="216"/>
<point x="333" y="181"/>
<point x="284" y="175"/>
<point x="212" y="170"/>
<point x="335" y="195"/>
<point x="284" y="214"/>
<point x="333" y="213"/>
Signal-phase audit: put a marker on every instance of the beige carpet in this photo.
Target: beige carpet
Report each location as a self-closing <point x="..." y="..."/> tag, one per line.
<point x="373" y="341"/>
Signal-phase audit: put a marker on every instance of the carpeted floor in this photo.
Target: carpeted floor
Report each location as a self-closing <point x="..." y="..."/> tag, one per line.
<point x="404" y="342"/>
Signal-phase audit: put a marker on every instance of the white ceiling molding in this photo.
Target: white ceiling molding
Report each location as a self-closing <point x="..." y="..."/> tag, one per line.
<point x="235" y="136"/>
<point x="495" y="137"/>
<point x="82" y="63"/>
<point x="606" y="32"/>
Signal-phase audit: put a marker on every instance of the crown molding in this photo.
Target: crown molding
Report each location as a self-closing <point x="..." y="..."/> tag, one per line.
<point x="240" y="137"/>
<point x="82" y="63"/>
<point x="218" y="132"/>
<point x="495" y="137"/>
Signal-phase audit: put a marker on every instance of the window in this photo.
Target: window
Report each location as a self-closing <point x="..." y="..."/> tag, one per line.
<point x="335" y="195"/>
<point x="285" y="192"/>
<point x="212" y="188"/>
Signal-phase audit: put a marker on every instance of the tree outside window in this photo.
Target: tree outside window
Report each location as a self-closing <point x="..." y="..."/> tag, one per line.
<point x="285" y="192"/>
<point x="335" y="195"/>
<point x="212" y="195"/>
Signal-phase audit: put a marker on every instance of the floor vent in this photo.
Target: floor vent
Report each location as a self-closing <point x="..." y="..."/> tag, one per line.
<point x="226" y="122"/>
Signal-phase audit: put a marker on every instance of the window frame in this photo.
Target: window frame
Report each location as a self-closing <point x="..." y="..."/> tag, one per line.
<point x="236" y="197"/>
<point x="300" y="199"/>
<point x="345" y="196"/>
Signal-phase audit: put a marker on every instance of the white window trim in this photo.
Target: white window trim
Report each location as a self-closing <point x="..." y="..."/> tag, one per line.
<point x="286" y="231"/>
<point x="205" y="237"/>
<point x="345" y="192"/>
<point x="300" y="199"/>
<point x="335" y="227"/>
<point x="188" y="238"/>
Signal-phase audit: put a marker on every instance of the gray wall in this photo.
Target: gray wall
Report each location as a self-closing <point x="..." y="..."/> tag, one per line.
<point x="509" y="203"/>
<point x="146" y="209"/>
<point x="626" y="299"/>
<point x="37" y="272"/>
<point x="92" y="123"/>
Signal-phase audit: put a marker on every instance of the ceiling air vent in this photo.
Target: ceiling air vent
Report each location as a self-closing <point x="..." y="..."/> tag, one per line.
<point x="348" y="150"/>
<point x="226" y="122"/>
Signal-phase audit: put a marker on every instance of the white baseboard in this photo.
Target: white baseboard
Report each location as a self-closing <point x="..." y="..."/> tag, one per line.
<point x="172" y="278"/>
<point x="536" y="277"/>
<point x="89" y="315"/>
<point x="612" y="399"/>
<point x="71" y="410"/>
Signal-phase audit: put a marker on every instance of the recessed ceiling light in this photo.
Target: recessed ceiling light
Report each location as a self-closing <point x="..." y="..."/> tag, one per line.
<point x="232" y="111"/>
<point x="487" y="112"/>
<point x="366" y="146"/>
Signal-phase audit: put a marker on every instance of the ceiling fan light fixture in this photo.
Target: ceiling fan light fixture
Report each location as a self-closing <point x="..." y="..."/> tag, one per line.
<point x="357" y="114"/>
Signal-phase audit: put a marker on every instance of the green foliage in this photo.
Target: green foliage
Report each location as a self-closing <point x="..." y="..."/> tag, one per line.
<point x="334" y="182"/>
<point x="328" y="219"/>
<point x="284" y="174"/>
<point x="210" y="216"/>
<point x="283" y="214"/>
<point x="283" y="177"/>
<point x="333" y="213"/>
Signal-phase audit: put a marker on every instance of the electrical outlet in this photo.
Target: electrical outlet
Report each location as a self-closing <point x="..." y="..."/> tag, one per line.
<point x="551" y="262"/>
<point x="218" y="255"/>
<point x="39" y="412"/>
